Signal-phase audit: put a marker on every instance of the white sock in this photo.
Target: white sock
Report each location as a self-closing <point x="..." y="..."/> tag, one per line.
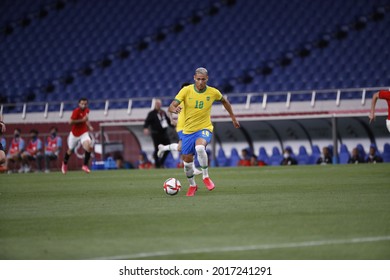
<point x="203" y="159"/>
<point x="173" y="147"/>
<point x="189" y="171"/>
<point x="170" y="147"/>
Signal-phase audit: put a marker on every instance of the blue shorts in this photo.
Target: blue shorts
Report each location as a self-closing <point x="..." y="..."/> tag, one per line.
<point x="180" y="134"/>
<point x="189" y="140"/>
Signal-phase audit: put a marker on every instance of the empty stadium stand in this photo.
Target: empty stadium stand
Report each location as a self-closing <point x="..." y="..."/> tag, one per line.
<point x="122" y="49"/>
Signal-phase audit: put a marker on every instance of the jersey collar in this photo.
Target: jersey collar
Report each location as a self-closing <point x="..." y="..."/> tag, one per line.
<point x="199" y="91"/>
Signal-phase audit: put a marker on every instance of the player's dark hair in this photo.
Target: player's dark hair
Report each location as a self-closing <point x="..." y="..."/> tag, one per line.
<point x="34" y="131"/>
<point x="83" y="99"/>
<point x="185" y="84"/>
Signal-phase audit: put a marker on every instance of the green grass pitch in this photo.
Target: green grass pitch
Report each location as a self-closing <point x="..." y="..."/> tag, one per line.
<point x="297" y="212"/>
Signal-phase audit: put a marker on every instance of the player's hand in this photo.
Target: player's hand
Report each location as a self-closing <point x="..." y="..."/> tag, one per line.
<point x="177" y="110"/>
<point x="2" y="126"/>
<point x="146" y="131"/>
<point x="90" y="128"/>
<point x="371" y="117"/>
<point x="236" y="124"/>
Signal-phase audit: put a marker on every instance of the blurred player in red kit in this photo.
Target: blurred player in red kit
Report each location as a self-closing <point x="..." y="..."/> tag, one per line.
<point x="80" y="128"/>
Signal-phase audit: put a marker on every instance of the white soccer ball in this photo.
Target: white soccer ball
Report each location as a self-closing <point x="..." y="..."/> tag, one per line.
<point x="172" y="186"/>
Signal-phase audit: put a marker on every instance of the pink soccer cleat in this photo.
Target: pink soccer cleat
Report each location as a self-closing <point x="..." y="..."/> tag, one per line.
<point x="85" y="169"/>
<point x="64" y="168"/>
<point x="191" y="190"/>
<point x="209" y="184"/>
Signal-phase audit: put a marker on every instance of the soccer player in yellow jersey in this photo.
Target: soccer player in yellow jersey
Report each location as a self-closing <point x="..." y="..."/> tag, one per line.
<point x="197" y="100"/>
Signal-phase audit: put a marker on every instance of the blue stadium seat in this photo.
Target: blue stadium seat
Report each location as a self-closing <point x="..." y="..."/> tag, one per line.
<point x="386" y="152"/>
<point x="344" y="154"/>
<point x="303" y="157"/>
<point x="170" y="161"/>
<point x="263" y="156"/>
<point x="234" y="157"/>
<point x="316" y="153"/>
<point x="362" y="152"/>
<point x="276" y="157"/>
<point x="222" y="160"/>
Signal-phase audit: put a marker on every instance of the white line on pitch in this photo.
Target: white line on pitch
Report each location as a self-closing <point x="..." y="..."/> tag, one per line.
<point x="249" y="248"/>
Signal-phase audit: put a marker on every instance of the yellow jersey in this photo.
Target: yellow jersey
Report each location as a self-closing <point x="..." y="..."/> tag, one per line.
<point x="180" y="120"/>
<point x="197" y="107"/>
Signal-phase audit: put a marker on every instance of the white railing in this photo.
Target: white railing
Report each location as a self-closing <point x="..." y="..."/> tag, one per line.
<point x="245" y="99"/>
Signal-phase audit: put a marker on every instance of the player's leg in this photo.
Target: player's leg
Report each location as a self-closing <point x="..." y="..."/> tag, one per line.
<point x="9" y="163"/>
<point x="13" y="162"/>
<point x="200" y="147"/>
<point x="38" y="161"/>
<point x="156" y="141"/>
<point x="17" y="160"/>
<point x="164" y="139"/>
<point x="3" y="160"/>
<point x="88" y="147"/>
<point x="188" y="161"/>
<point x="196" y="170"/>
<point x="2" y="157"/>
<point x="47" y="162"/>
<point x="29" y="166"/>
<point x="72" y="143"/>
<point x="24" y="158"/>
<point x="164" y="148"/>
<point x="170" y="147"/>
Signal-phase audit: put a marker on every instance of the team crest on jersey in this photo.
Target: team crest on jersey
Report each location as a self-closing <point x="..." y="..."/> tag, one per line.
<point x="208" y="98"/>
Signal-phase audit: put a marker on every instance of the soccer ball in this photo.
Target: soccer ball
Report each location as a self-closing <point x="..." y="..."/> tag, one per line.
<point x="172" y="186"/>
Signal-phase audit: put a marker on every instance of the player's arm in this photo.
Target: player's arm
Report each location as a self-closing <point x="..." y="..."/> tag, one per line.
<point x="179" y="98"/>
<point x="174" y="107"/>
<point x="90" y="127"/>
<point x="2" y="124"/>
<point x="229" y="108"/>
<point x="375" y="98"/>
<point x="172" y="118"/>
